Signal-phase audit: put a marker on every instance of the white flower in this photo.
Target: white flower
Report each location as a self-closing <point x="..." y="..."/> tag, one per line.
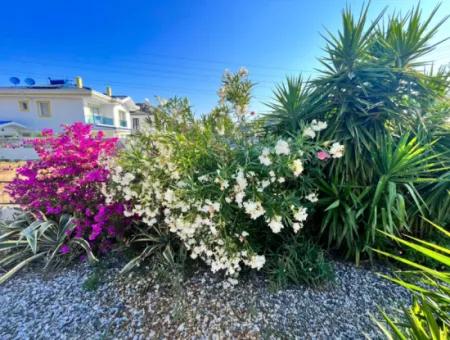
<point x="232" y="281"/>
<point x="127" y="178"/>
<point x="297" y="167"/>
<point x="309" y="132"/>
<point x="245" y="234"/>
<point x="275" y="224"/>
<point x="281" y="180"/>
<point x="318" y="125"/>
<point x="301" y="214"/>
<point x="254" y="209"/>
<point x="257" y="261"/>
<point x="203" y="178"/>
<point x="337" y="150"/>
<point x="297" y="226"/>
<point x="264" y="184"/>
<point x="223" y="183"/>
<point x="265" y="160"/>
<point x="312" y="197"/>
<point x="241" y="181"/>
<point x="282" y="148"/>
<point x="169" y="196"/>
<point x="239" y="198"/>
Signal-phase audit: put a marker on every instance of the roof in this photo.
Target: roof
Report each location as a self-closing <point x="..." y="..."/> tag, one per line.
<point x="4" y="123"/>
<point x="65" y="90"/>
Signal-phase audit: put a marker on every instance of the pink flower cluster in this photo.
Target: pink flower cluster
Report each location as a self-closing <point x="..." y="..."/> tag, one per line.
<point x="67" y="178"/>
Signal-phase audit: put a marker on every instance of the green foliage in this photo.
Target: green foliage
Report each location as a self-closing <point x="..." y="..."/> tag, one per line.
<point x="298" y="261"/>
<point x="28" y="239"/>
<point x="294" y="102"/>
<point x="389" y="116"/>
<point x="153" y="241"/>
<point x="225" y="194"/>
<point x="429" y="316"/>
<point x="96" y="278"/>
<point x="353" y="211"/>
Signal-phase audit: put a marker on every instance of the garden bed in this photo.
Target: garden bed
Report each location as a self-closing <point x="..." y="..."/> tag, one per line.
<point x="96" y="302"/>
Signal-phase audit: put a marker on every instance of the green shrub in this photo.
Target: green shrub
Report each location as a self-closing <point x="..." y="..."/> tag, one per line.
<point x="28" y="239"/>
<point x="389" y="116"/>
<point x="298" y="261"/>
<point x="229" y="196"/>
<point x="429" y="316"/>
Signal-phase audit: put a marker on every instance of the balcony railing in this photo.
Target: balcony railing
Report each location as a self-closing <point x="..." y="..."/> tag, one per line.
<point x="103" y="120"/>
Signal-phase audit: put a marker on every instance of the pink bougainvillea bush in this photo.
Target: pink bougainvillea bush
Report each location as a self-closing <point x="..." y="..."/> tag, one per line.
<point x="67" y="178"/>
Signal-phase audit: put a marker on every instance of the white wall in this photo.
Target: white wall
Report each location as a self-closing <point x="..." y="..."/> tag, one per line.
<point x="64" y="110"/>
<point x="18" y="154"/>
<point x="12" y="131"/>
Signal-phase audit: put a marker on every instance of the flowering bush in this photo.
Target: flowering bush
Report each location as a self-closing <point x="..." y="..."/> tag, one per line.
<point x="230" y="199"/>
<point x="67" y="179"/>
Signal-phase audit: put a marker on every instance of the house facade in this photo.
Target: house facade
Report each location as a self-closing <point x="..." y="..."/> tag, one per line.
<point x="34" y="108"/>
<point x="140" y="118"/>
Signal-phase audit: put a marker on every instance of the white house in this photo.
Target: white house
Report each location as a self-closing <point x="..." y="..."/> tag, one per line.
<point x="34" y="108"/>
<point x="140" y="118"/>
<point x="10" y="129"/>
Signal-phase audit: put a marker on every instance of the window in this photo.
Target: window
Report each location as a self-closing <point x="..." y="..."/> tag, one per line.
<point x="44" y="109"/>
<point x="92" y="114"/>
<point x="123" y="119"/>
<point x="24" y="106"/>
<point x="135" y="123"/>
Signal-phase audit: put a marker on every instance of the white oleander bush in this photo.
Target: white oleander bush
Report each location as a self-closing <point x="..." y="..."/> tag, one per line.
<point x="229" y="196"/>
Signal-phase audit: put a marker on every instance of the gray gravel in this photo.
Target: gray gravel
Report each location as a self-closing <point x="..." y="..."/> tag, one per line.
<point x="36" y="306"/>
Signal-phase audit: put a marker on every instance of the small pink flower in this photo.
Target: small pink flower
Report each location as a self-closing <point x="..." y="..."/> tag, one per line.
<point x="322" y="155"/>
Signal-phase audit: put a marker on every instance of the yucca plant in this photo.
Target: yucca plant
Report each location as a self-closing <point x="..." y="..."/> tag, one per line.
<point x="295" y="101"/>
<point x="353" y="211"/>
<point x="372" y="92"/>
<point x="429" y="315"/>
<point x="30" y="238"/>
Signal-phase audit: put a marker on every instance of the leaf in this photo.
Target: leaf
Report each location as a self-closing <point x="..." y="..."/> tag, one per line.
<point x="18" y="267"/>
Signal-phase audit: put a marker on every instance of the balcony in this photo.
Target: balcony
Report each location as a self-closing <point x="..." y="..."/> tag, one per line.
<point x="102" y="120"/>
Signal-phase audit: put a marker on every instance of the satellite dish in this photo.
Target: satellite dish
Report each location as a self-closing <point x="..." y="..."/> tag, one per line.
<point x="29" y="81"/>
<point x="14" y="80"/>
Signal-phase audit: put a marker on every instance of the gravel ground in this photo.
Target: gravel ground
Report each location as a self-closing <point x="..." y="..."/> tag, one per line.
<point x="83" y="302"/>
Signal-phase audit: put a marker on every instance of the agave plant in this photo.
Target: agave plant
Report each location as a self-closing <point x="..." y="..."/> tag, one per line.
<point x="155" y="242"/>
<point x="29" y="238"/>
<point x="429" y="315"/>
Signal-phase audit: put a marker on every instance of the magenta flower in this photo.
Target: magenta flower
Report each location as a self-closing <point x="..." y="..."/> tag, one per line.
<point x="67" y="178"/>
<point x="65" y="249"/>
<point x="323" y="155"/>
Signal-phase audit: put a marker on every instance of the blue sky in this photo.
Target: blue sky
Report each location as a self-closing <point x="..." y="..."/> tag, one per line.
<point x="166" y="48"/>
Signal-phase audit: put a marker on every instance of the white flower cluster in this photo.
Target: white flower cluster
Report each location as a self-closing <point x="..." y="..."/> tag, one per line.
<point x="157" y="191"/>
<point x="337" y="150"/>
<point x="316" y="126"/>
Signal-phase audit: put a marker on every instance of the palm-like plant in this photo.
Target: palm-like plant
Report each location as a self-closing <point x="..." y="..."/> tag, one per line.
<point x="371" y="93"/>
<point x="29" y="238"/>
<point x="294" y="102"/>
<point x="429" y="316"/>
<point x="353" y="211"/>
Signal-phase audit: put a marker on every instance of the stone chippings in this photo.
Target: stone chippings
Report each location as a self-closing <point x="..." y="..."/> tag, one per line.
<point x="139" y="306"/>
